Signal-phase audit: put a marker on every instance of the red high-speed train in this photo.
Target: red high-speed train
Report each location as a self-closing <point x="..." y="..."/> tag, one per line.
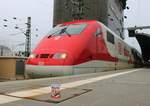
<point x="77" y="47"/>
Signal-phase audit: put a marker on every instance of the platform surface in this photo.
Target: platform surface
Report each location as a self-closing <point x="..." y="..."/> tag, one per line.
<point x="114" y="88"/>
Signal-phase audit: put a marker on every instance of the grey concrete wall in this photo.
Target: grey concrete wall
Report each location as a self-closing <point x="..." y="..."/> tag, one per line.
<point x="96" y="10"/>
<point x="116" y="17"/>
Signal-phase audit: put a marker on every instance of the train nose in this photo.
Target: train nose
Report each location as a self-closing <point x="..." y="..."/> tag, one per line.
<point x="40" y="65"/>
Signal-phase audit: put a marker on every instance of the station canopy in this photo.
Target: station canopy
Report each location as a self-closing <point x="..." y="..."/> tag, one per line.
<point x="144" y="41"/>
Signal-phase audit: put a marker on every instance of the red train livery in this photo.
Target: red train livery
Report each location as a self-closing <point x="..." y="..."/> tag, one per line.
<point x="77" y="47"/>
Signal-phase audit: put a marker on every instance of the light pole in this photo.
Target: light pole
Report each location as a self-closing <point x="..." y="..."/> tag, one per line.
<point x="28" y="37"/>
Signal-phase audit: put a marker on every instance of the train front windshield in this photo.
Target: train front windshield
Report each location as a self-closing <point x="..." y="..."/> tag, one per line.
<point x="73" y="29"/>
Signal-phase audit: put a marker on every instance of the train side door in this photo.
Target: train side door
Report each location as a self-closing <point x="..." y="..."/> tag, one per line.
<point x="111" y="47"/>
<point x="100" y="49"/>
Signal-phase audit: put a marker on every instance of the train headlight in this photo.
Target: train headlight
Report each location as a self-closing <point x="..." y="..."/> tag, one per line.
<point x="59" y="56"/>
<point x="32" y="56"/>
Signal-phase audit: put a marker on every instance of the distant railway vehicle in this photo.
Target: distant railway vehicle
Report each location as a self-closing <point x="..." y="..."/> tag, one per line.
<point x="78" y="47"/>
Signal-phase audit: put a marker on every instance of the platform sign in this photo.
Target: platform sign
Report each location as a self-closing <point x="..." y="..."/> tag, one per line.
<point x="55" y="91"/>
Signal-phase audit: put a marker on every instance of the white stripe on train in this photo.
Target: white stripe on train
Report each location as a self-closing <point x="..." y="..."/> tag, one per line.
<point x="88" y="67"/>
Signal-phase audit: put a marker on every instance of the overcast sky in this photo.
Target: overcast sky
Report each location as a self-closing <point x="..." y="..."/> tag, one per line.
<point x="41" y="12"/>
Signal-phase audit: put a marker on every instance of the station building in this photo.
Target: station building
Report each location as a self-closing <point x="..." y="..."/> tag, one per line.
<point x="5" y="51"/>
<point x="109" y="12"/>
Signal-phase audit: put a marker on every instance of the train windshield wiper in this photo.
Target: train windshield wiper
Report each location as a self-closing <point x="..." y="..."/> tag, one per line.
<point x="64" y="30"/>
<point x="53" y="34"/>
<point x="60" y="32"/>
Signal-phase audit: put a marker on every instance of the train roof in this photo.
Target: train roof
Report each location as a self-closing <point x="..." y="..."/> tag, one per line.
<point x="79" y="22"/>
<point x="95" y="21"/>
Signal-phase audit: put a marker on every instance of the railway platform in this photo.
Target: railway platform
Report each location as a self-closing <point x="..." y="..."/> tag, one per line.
<point x="113" y="88"/>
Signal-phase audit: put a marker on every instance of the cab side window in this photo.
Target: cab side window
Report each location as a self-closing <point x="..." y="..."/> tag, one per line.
<point x="98" y="32"/>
